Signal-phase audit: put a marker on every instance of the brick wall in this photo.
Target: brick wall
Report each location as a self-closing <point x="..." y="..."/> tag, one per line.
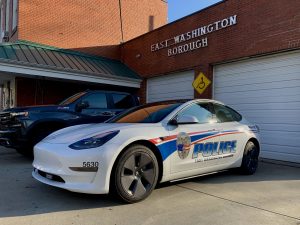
<point x="92" y="26"/>
<point x="263" y="26"/>
<point x="142" y="16"/>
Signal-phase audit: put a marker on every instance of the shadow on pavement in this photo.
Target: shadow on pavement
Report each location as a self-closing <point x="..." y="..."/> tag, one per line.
<point x="21" y="195"/>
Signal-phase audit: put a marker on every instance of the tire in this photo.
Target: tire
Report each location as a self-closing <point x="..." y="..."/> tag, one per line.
<point x="135" y="174"/>
<point x="250" y="159"/>
<point x="25" y="151"/>
<point x="39" y="134"/>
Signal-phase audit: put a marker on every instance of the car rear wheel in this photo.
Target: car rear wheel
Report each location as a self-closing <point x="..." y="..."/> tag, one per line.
<point x="250" y="159"/>
<point x="136" y="174"/>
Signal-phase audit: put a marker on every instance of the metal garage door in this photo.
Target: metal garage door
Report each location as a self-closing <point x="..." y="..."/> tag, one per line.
<point x="266" y="91"/>
<point x="168" y="87"/>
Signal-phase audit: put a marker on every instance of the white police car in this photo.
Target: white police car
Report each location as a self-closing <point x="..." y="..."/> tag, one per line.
<point x="147" y="145"/>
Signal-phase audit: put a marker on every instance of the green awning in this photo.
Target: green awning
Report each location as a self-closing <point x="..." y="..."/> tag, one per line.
<point x="40" y="56"/>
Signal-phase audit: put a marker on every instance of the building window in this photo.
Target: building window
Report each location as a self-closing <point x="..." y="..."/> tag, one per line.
<point x="7" y="16"/>
<point x="15" y="15"/>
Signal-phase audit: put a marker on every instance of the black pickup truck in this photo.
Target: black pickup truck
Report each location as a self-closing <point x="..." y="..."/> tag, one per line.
<point x="22" y="127"/>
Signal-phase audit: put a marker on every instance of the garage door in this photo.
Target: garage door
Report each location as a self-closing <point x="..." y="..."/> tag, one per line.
<point x="170" y="87"/>
<point x="266" y="91"/>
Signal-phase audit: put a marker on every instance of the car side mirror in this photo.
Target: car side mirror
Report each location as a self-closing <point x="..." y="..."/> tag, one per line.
<point x="185" y="119"/>
<point x="82" y="105"/>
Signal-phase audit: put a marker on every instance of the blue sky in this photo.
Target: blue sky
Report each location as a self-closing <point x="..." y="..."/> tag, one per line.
<point x="180" y="8"/>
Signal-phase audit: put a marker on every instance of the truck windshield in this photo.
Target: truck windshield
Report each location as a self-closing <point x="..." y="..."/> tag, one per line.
<point x="72" y="99"/>
<point x="150" y="113"/>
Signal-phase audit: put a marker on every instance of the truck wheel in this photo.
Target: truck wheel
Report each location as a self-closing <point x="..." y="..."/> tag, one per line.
<point x="250" y="159"/>
<point x="136" y="174"/>
<point x="39" y="134"/>
<point x="25" y="151"/>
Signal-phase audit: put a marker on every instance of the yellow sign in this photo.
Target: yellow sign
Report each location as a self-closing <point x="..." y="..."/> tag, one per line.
<point x="201" y="83"/>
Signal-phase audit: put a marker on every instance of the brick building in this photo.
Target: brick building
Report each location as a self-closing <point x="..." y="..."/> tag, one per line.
<point x="91" y="27"/>
<point x="248" y="51"/>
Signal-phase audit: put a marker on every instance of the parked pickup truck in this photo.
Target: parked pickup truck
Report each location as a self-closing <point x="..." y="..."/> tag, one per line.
<point x="22" y="127"/>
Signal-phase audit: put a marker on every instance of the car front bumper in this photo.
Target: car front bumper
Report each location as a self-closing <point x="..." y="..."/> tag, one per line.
<point x="59" y="166"/>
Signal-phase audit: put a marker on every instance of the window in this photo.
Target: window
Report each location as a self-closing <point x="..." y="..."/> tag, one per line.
<point x="72" y="99"/>
<point x="226" y="114"/>
<point x="122" y="101"/>
<point x="150" y="113"/>
<point x="7" y="15"/>
<point x="15" y="14"/>
<point x="96" y="101"/>
<point x="200" y="111"/>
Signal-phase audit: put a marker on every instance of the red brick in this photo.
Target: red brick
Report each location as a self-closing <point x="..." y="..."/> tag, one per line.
<point x="262" y="27"/>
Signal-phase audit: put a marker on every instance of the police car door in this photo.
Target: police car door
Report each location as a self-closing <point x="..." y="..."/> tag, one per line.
<point x="196" y="141"/>
<point x="232" y="137"/>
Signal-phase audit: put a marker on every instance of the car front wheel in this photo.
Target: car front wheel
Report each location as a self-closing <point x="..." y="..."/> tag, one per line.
<point x="136" y="174"/>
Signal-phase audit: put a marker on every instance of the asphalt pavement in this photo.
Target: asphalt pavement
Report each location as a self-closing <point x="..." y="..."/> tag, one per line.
<point x="271" y="196"/>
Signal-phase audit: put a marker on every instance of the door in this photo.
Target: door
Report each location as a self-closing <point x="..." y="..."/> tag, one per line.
<point x="97" y="107"/>
<point x="121" y="102"/>
<point x="191" y="153"/>
<point x="170" y="87"/>
<point x="232" y="136"/>
<point x="266" y="91"/>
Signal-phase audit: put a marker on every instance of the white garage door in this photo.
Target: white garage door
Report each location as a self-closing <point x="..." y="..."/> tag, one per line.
<point x="267" y="92"/>
<point x="170" y="87"/>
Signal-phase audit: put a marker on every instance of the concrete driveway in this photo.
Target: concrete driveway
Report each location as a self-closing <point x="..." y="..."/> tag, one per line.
<point x="271" y="196"/>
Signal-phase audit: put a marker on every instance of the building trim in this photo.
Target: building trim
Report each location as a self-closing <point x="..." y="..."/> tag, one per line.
<point x="39" y="72"/>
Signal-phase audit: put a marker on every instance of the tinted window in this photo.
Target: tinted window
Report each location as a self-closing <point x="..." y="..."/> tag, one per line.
<point x="226" y="114"/>
<point x="122" y="101"/>
<point x="151" y="113"/>
<point x="72" y="99"/>
<point x="200" y="111"/>
<point x="96" y="100"/>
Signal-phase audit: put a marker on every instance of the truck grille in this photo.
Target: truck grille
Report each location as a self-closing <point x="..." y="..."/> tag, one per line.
<point x="7" y="121"/>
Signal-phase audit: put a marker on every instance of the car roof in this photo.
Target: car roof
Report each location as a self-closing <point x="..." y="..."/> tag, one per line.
<point x="106" y="91"/>
<point x="185" y="101"/>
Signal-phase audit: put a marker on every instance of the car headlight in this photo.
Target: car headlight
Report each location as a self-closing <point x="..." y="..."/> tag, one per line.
<point x="95" y="141"/>
<point x="19" y="114"/>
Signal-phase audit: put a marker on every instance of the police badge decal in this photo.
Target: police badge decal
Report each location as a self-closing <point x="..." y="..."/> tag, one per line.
<point x="183" y="145"/>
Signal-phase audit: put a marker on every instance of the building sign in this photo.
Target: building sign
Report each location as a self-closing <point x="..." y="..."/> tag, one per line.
<point x="201" y="83"/>
<point x="196" y="38"/>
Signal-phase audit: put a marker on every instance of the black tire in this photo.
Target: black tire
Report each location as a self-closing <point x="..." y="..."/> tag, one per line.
<point x="36" y="136"/>
<point x="135" y="174"/>
<point x="25" y="151"/>
<point x="250" y="159"/>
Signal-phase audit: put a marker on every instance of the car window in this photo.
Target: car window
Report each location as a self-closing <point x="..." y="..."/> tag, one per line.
<point x="200" y="111"/>
<point x="72" y="99"/>
<point x="226" y="114"/>
<point x="150" y="113"/>
<point x="96" y="100"/>
<point x="122" y="101"/>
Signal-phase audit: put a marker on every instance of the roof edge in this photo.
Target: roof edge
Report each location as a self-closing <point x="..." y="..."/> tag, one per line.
<point x="63" y="50"/>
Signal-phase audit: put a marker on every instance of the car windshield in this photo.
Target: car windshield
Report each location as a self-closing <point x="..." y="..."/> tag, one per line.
<point x="72" y="99"/>
<point x="150" y="113"/>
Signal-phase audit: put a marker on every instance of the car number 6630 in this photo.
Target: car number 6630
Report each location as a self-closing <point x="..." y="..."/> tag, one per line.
<point x="90" y="164"/>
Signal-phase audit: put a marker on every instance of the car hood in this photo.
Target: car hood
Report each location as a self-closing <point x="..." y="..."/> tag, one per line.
<point x="79" y="132"/>
<point x="35" y="108"/>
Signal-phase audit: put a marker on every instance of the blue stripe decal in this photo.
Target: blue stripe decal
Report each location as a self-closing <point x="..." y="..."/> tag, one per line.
<point x="166" y="149"/>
